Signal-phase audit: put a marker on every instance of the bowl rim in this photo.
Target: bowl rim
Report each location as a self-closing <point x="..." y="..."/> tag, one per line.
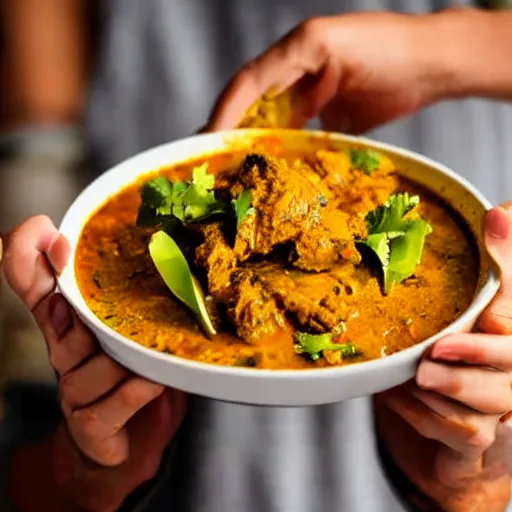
<point x="480" y="300"/>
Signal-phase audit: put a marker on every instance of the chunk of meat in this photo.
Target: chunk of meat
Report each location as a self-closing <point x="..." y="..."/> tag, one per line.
<point x="216" y="257"/>
<point x="314" y="302"/>
<point x="286" y="203"/>
<point x="291" y="206"/>
<point x="252" y="309"/>
<point x="330" y="242"/>
<point x="267" y="295"/>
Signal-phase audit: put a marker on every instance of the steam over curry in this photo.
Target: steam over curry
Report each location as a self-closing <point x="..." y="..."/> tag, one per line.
<point x="277" y="259"/>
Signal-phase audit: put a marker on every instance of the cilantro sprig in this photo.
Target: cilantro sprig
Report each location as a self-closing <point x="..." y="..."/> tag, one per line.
<point x="314" y="345"/>
<point x="186" y="201"/>
<point x="396" y="240"/>
<point x="367" y="160"/>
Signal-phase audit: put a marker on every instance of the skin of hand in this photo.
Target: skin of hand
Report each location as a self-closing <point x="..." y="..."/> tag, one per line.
<point x="356" y="72"/>
<point x="116" y="423"/>
<point x="350" y="85"/>
<point x="443" y="429"/>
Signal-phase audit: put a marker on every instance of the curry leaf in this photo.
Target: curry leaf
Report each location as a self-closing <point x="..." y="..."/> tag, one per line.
<point x="314" y="345"/>
<point x="242" y="206"/>
<point x="367" y="160"/>
<point x="175" y="271"/>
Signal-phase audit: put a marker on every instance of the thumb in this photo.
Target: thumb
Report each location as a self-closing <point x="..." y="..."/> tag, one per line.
<point x="497" y="318"/>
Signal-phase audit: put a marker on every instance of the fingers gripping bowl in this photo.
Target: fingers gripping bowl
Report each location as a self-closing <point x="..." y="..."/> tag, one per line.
<point x="391" y="259"/>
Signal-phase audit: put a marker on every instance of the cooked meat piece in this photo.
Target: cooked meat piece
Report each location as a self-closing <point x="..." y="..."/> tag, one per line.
<point x="252" y="309"/>
<point x="266" y="294"/>
<point x="289" y="204"/>
<point x="218" y="259"/>
<point x="286" y="204"/>
<point x="314" y="302"/>
<point x="330" y="241"/>
<point x="291" y="209"/>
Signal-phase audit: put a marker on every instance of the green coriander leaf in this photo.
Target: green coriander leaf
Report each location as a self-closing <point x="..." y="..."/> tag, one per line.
<point x="314" y="345"/>
<point x="389" y="215"/>
<point x="405" y="253"/>
<point x="367" y="160"/>
<point x="396" y="241"/>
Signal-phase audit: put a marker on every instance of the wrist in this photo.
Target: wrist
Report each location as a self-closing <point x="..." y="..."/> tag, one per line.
<point x="31" y="482"/>
<point x="84" y="483"/>
<point x="469" y="53"/>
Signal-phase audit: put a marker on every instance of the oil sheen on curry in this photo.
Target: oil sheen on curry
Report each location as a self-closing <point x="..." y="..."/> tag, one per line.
<point x="277" y="259"/>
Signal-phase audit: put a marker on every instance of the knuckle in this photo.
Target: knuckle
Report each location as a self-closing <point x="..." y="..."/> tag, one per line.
<point x="134" y="395"/>
<point x="67" y="387"/>
<point x="482" y="439"/>
<point x="311" y="29"/>
<point x="248" y="75"/>
<point x="497" y="318"/>
<point x="56" y="360"/>
<point x="424" y="429"/>
<point x="454" y="386"/>
<point x="111" y="367"/>
<point x="87" y="423"/>
<point x="111" y="454"/>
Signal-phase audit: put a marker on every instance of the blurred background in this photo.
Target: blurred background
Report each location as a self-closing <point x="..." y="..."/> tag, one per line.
<point x="85" y="84"/>
<point x="47" y="48"/>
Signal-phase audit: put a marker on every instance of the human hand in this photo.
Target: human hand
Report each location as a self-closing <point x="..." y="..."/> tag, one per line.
<point x="355" y="71"/>
<point x="457" y="451"/>
<point x="116" y="423"/>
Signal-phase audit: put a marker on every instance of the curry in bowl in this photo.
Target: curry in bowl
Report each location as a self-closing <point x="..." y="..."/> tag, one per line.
<point x="277" y="258"/>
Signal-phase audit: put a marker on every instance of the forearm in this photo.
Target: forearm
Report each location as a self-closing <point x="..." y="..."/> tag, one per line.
<point x="31" y="484"/>
<point x="53" y="475"/>
<point x="472" y="51"/>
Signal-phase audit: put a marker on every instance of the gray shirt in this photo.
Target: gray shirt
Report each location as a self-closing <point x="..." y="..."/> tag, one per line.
<point x="162" y="64"/>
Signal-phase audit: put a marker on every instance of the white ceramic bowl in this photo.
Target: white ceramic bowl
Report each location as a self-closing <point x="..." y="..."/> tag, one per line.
<point x="272" y="387"/>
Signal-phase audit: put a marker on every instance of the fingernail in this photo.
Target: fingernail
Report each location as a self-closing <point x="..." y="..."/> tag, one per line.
<point x="60" y="315"/>
<point x="424" y="376"/>
<point x="496" y="223"/>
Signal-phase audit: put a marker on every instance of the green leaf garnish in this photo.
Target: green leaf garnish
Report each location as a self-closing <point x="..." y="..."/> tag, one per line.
<point x="367" y="160"/>
<point x="175" y="271"/>
<point x="156" y="194"/>
<point x="396" y="241"/>
<point x="242" y="206"/>
<point x="187" y="201"/>
<point x="405" y="253"/>
<point x="314" y="345"/>
<point x="389" y="215"/>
